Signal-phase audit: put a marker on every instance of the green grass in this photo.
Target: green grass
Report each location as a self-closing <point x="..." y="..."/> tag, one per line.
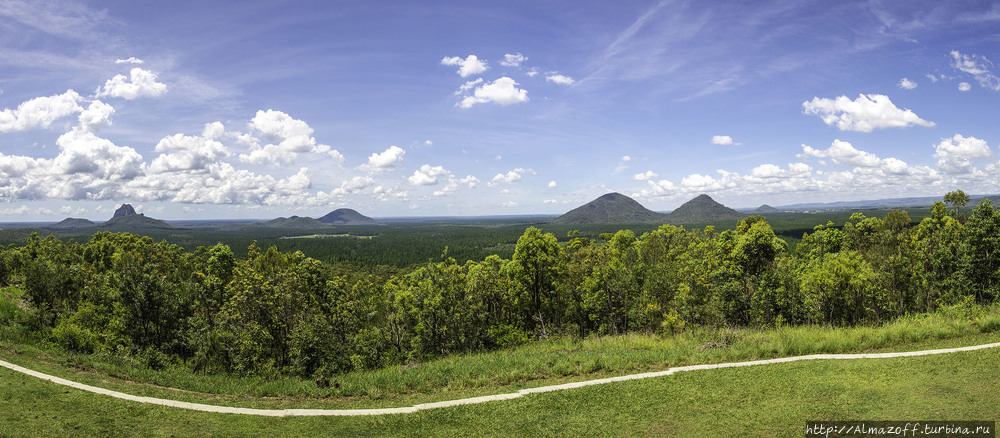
<point x="772" y="400"/>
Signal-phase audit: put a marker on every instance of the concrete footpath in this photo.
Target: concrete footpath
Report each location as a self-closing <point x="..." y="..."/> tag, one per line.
<point x="474" y="400"/>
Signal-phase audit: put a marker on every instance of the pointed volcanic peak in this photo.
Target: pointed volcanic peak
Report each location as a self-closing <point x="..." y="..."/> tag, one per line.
<point x="702" y="209"/>
<point x="124" y="210"/>
<point x="346" y="216"/>
<point x="765" y="209"/>
<point x="612" y="208"/>
<point x="125" y="218"/>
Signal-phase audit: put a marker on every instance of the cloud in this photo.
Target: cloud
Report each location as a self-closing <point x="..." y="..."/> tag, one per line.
<point x="222" y="184"/>
<point x="139" y="83"/>
<point x="724" y="140"/>
<point x="964" y="86"/>
<point x="510" y="177"/>
<point x="40" y="112"/>
<point x="955" y="154"/>
<point x="96" y="115"/>
<point x="552" y="184"/>
<point x="187" y="153"/>
<point x="503" y="91"/>
<point x="977" y="66"/>
<point x="454" y="183"/>
<point x="648" y="175"/>
<point x="427" y="175"/>
<point x="464" y="88"/>
<point x="287" y="138"/>
<point x="130" y="60"/>
<point x="386" y="194"/>
<point x="469" y="66"/>
<point x="82" y="151"/>
<point x="932" y="77"/>
<point x="353" y="185"/>
<point x="385" y="161"/>
<point x="863" y="114"/>
<point x="907" y="84"/>
<point x="559" y="79"/>
<point x="514" y="60"/>
<point x="842" y="152"/>
<point x="626" y="158"/>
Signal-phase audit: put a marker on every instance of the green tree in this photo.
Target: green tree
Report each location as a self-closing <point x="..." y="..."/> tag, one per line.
<point x="535" y="268"/>
<point x="981" y="252"/>
<point x="957" y="199"/>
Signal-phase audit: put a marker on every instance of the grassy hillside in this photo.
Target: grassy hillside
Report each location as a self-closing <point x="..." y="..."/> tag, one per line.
<point x="772" y="400"/>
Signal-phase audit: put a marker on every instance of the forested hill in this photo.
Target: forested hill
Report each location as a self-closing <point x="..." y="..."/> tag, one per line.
<point x="616" y="208"/>
<point x="700" y="210"/>
<point x="612" y="208"/>
<point x="294" y="222"/>
<point x="346" y="216"/>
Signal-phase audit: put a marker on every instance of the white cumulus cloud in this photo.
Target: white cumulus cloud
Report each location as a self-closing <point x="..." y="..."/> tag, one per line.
<point x="907" y="84"/>
<point x="385" y="161"/>
<point x="955" y="154"/>
<point x="139" y="83"/>
<point x="427" y="175"/>
<point x="559" y="79"/>
<point x="503" y="91"/>
<point x="724" y="140"/>
<point x="648" y="175"/>
<point x="130" y="60"/>
<point x="286" y="138"/>
<point x="864" y="114"/>
<point x="469" y="66"/>
<point x="964" y="86"/>
<point x="40" y="112"/>
<point x="187" y="153"/>
<point x="510" y="177"/>
<point x="842" y="152"/>
<point x="513" y="60"/>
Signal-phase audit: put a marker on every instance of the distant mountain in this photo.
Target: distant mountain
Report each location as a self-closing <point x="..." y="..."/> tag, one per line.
<point x="70" y="223"/>
<point x="765" y="209"/>
<point x="132" y="221"/>
<point x="125" y="218"/>
<point x="124" y="210"/>
<point x="612" y="208"/>
<point x="346" y="216"/>
<point x="702" y="209"/>
<point x="295" y="222"/>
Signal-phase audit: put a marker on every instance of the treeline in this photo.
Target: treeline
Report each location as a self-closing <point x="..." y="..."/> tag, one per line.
<point x="283" y="313"/>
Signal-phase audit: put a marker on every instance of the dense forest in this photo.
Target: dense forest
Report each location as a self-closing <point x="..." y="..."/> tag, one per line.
<point x="272" y="312"/>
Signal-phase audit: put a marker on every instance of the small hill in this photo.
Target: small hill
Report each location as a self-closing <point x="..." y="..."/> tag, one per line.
<point x="612" y="208"/>
<point x="294" y="222"/>
<point x="765" y="209"/>
<point x="702" y="209"/>
<point x="346" y="216"/>
<point x="70" y="223"/>
<point x="124" y="210"/>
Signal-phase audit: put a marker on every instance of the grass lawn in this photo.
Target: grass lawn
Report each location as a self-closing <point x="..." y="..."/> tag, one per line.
<point x="771" y="400"/>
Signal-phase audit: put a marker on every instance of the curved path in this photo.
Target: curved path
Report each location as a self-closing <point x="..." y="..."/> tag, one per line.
<point x="474" y="400"/>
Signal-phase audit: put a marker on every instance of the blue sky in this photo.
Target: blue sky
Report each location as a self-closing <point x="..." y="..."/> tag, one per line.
<point x="259" y="109"/>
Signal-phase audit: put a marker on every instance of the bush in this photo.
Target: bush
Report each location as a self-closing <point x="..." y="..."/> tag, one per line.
<point x="74" y="338"/>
